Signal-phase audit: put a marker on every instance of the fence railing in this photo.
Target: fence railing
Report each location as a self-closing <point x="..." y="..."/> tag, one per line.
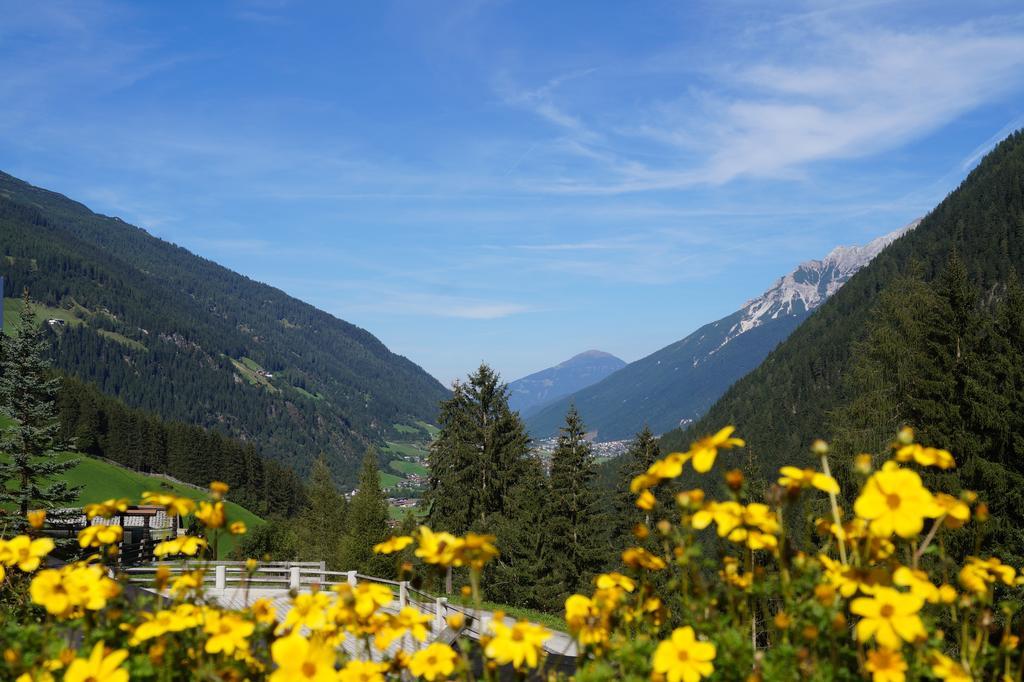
<point x="296" y="575"/>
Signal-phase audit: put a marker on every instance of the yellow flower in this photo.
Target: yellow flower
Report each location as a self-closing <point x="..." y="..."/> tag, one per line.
<point x="849" y="579"/>
<point x="437" y="548"/>
<point x="24" y="552"/>
<point x="36" y="518"/>
<point x="184" y="617"/>
<point x="475" y="550"/>
<point x="237" y="528"/>
<point x="188" y="582"/>
<point x="886" y="665"/>
<point x="211" y="515"/>
<point x="362" y="671"/>
<point x="794" y="478"/>
<point x="889" y="616"/>
<point x="646" y="500"/>
<point x="643" y="482"/>
<point x="669" y="467"/>
<point x="586" y="620"/>
<point x="99" y="535"/>
<point x="945" y="668"/>
<point x="98" y="667"/>
<point x="919" y="584"/>
<point x="48" y="590"/>
<point x="437" y="661"/>
<point x="176" y="506"/>
<point x="519" y="645"/>
<point x="895" y="501"/>
<point x="309" y="610"/>
<point x="228" y="632"/>
<point x="106" y="509"/>
<point x="926" y="457"/>
<point x="977" y="574"/>
<point x="407" y="621"/>
<point x="638" y="557"/>
<point x="219" y="489"/>
<point x="706" y="449"/>
<point x="302" y="660"/>
<point x="186" y="544"/>
<point x="393" y="544"/>
<point x="726" y="515"/>
<point x="683" y="657"/>
<point x="263" y="611"/>
<point x="607" y="581"/>
<point x="956" y="511"/>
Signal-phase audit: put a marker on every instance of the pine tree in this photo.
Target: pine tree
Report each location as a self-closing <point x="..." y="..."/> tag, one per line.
<point x="515" y="576"/>
<point x="29" y="447"/>
<point x="478" y="456"/>
<point x="642" y="452"/>
<point x="366" y="523"/>
<point x="321" y="526"/>
<point x="575" y="521"/>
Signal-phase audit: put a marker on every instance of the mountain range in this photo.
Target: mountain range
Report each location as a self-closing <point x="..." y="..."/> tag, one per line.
<point x="677" y="384"/>
<point x="529" y="394"/>
<point x="793" y="396"/>
<point x="182" y="337"/>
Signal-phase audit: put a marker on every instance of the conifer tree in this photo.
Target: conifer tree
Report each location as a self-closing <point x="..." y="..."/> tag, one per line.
<point x="642" y="452"/>
<point x="321" y="526"/>
<point x="366" y="523"/>
<point x="478" y="456"/>
<point x="515" y="577"/>
<point x="575" y="520"/>
<point x="30" y="466"/>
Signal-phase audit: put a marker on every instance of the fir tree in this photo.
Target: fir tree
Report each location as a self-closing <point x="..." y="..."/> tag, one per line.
<point x="478" y="456"/>
<point x="321" y="526"/>
<point x="29" y="447"/>
<point x="516" y="575"/>
<point x="642" y="452"/>
<point x="366" y="523"/>
<point x="575" y="521"/>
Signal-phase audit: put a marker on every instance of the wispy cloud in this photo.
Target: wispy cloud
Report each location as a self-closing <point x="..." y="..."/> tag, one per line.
<point x="844" y="91"/>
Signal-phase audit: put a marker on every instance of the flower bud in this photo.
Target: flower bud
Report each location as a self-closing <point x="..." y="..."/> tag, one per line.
<point x="905" y="436"/>
<point x="36" y="518"/>
<point x="819" y="447"/>
<point x="782" y="620"/>
<point x="664" y="527"/>
<point x="640" y="531"/>
<point x="862" y="463"/>
<point x="981" y="513"/>
<point x="734" y="479"/>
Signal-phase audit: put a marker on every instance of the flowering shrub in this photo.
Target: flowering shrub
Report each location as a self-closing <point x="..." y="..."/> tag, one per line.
<point x="727" y="589"/>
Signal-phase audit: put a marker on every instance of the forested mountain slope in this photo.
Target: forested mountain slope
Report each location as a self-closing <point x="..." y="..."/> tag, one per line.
<point x="180" y="336"/>
<point x="680" y="382"/>
<point x="792" y="397"/>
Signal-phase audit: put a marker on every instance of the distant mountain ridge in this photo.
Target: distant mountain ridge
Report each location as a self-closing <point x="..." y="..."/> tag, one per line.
<point x="189" y="340"/>
<point x="531" y="393"/>
<point x="678" y="383"/>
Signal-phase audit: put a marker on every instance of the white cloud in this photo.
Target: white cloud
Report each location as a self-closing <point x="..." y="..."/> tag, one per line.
<point x="842" y="91"/>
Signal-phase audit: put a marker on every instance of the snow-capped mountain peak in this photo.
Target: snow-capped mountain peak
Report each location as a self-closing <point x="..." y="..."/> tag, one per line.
<point x="810" y="284"/>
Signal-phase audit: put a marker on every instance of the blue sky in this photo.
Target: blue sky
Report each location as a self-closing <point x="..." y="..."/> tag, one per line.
<point x="509" y="181"/>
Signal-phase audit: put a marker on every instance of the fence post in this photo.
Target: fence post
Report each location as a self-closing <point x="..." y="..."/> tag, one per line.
<point x="220" y="577"/>
<point x="351" y="578"/>
<point x="293" y="577"/>
<point x="439" y="613"/>
<point x="403" y="594"/>
<point x="323" y="570"/>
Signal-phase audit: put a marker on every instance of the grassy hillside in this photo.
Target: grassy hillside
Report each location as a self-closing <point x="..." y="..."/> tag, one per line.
<point x="104" y="480"/>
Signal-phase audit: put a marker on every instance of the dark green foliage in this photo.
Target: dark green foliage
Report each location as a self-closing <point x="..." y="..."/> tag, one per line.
<point x="575" y="525"/>
<point x="29" y="468"/>
<point x="366" y="523"/>
<point x="478" y="456"/>
<point x="104" y="427"/>
<point x="320" y="528"/>
<point x="181" y="320"/>
<point x="518" y="577"/>
<point x="642" y="452"/>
